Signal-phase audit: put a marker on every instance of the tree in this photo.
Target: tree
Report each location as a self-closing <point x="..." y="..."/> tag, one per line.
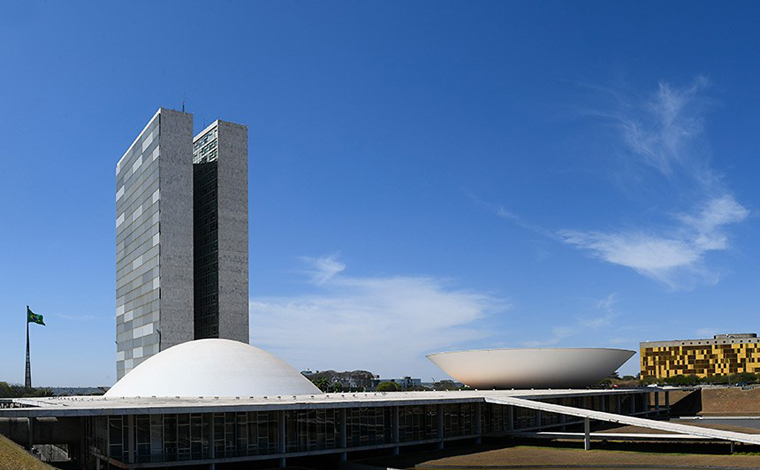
<point x="444" y="385"/>
<point x="321" y="383"/>
<point x="743" y="377"/>
<point x="388" y="387"/>
<point x="18" y="391"/>
<point x="683" y="380"/>
<point x="717" y="379"/>
<point x="648" y="380"/>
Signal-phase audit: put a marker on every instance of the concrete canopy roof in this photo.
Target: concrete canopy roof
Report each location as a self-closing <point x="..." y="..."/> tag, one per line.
<point x="212" y="367"/>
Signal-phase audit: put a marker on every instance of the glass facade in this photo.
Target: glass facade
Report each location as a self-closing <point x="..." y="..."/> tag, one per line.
<point x="206" y="235"/>
<point x="459" y="419"/>
<point x="182" y="437"/>
<point x="310" y="430"/>
<point x="368" y="426"/>
<point x="258" y="434"/>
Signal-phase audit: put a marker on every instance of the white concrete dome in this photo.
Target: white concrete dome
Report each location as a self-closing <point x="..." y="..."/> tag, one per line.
<point x="531" y="368"/>
<point x="212" y="367"/>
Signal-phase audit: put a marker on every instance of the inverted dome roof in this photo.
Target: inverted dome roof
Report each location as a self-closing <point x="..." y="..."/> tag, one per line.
<point x="531" y="368"/>
<point x="212" y="367"/>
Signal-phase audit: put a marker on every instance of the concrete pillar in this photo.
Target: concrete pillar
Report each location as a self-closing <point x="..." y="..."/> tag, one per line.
<point x="603" y="399"/>
<point x="282" y="444"/>
<point x="586" y="434"/>
<point x="562" y="420"/>
<point x="510" y="418"/>
<point x="633" y="404"/>
<point x="343" y="434"/>
<point x="478" y="422"/>
<point x="211" y="446"/>
<point x="30" y="432"/>
<point x="396" y="429"/>
<point x="538" y="418"/>
<point x="657" y="402"/>
<point x="439" y="413"/>
<point x="211" y="438"/>
<point x="131" y="439"/>
<point x="619" y="404"/>
<point x="82" y="458"/>
<point x="667" y="402"/>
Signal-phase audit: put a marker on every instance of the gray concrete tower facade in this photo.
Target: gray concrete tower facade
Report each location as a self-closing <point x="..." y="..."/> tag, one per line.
<point x="181" y="237"/>
<point x="154" y="241"/>
<point x="220" y="165"/>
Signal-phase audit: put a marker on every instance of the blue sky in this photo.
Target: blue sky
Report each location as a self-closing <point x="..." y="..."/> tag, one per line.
<point x="424" y="176"/>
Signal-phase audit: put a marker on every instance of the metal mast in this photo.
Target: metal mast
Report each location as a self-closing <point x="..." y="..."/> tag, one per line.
<point x="28" y="381"/>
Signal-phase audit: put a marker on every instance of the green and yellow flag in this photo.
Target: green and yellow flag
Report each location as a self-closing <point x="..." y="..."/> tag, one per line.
<point x="32" y="317"/>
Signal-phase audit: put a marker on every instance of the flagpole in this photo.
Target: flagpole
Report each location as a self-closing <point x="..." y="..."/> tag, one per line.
<point x="28" y="381"/>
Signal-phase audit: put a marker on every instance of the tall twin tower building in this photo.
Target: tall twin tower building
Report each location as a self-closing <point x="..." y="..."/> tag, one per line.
<point x="181" y="237"/>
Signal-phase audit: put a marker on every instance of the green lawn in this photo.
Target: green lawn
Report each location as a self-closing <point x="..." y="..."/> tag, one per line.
<point x="14" y="457"/>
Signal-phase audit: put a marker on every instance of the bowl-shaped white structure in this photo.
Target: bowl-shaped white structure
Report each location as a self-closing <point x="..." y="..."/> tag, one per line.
<point x="531" y="368"/>
<point x="212" y="367"/>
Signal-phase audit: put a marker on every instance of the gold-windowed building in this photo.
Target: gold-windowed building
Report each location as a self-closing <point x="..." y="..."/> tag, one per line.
<point x="721" y="355"/>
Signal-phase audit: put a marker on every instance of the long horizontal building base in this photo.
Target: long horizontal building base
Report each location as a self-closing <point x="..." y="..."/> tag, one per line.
<point x="173" y="432"/>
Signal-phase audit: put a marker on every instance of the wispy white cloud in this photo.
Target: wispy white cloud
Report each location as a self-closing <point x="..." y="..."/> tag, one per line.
<point x="506" y="214"/>
<point x="602" y="315"/>
<point x="707" y="224"/>
<point x="619" y="341"/>
<point x="503" y="212"/>
<point x="559" y="333"/>
<point x="324" y="268"/>
<point x="663" y="130"/>
<point x="675" y="258"/>
<point x="384" y="324"/>
<point x="706" y="332"/>
<point x="666" y="133"/>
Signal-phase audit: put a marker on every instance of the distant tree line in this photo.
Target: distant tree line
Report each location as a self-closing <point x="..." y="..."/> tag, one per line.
<point x="741" y="378"/>
<point x="719" y="379"/>
<point x="363" y="381"/>
<point x="349" y="381"/>
<point x="18" y="391"/>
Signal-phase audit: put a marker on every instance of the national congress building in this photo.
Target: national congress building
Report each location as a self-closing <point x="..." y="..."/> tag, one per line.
<point x="199" y="396"/>
<point x="181" y="237"/>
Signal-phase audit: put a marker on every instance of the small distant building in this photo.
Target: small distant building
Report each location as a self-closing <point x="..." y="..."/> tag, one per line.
<point x="722" y="355"/>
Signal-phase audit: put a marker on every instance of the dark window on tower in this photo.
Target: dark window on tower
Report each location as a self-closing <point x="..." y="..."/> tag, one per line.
<point x="206" y="249"/>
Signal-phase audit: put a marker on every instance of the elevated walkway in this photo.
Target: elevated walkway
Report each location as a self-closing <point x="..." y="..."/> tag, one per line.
<point x="588" y="415"/>
<point x="615" y="436"/>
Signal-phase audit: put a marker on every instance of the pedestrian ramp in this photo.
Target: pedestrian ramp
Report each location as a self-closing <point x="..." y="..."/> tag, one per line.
<point x="675" y="428"/>
<point x="616" y="436"/>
